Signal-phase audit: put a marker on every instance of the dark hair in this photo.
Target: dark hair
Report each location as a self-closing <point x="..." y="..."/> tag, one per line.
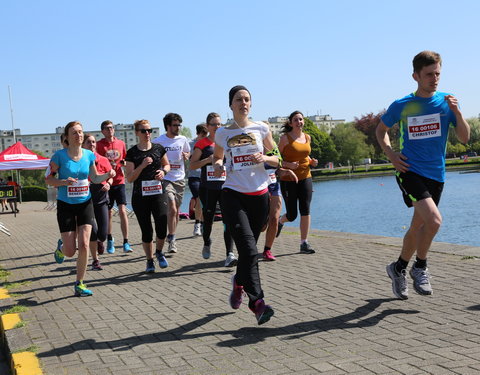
<point x="201" y="129"/>
<point x="171" y="117"/>
<point x="211" y="116"/>
<point x="137" y="124"/>
<point x="67" y="128"/>
<point x="234" y="90"/>
<point x="425" y="58"/>
<point x="86" y="136"/>
<point x="105" y="123"/>
<point x="286" y="127"/>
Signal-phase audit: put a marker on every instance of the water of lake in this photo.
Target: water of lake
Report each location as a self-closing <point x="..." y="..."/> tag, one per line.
<point x="374" y="205"/>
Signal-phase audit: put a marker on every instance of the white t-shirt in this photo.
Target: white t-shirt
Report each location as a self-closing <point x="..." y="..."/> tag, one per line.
<point x="174" y="147"/>
<point x="239" y="144"/>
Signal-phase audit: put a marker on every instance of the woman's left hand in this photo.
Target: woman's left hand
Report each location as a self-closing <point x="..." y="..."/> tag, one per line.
<point x="313" y="162"/>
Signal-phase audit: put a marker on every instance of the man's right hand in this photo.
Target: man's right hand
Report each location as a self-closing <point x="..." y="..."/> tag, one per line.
<point x="398" y="161"/>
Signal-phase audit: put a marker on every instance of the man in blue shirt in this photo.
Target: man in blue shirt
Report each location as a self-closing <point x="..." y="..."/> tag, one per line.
<point x="424" y="118"/>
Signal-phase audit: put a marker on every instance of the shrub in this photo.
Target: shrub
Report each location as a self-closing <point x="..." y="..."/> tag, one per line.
<point x="34" y="193"/>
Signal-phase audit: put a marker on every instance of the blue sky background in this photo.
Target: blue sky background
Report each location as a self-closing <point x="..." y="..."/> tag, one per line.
<point x="126" y="60"/>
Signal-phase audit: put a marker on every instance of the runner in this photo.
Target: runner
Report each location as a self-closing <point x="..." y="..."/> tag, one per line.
<point x="210" y="189"/>
<point x="147" y="165"/>
<point x="74" y="204"/>
<point x="245" y="195"/>
<point x="295" y="148"/>
<point x="114" y="150"/>
<point x="100" y="203"/>
<point x="424" y="118"/>
<point x="194" y="182"/>
<point x="178" y="150"/>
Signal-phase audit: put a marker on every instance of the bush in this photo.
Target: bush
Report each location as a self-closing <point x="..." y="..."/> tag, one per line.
<point x="34" y="193"/>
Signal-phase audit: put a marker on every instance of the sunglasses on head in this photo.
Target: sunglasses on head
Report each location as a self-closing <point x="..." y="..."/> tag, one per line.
<point x="145" y="130"/>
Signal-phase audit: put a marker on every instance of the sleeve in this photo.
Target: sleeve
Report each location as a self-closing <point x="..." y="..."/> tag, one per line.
<point x="56" y="159"/>
<point x="392" y="116"/>
<point x="92" y="159"/>
<point x="186" y="146"/>
<point x="129" y="155"/>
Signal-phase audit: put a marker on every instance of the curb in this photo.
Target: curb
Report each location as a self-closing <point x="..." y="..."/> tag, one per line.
<point x="15" y="340"/>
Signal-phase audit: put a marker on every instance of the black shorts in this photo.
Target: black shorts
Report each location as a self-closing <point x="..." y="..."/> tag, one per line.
<point x="71" y="216"/>
<point x="117" y="194"/>
<point x="415" y="188"/>
<point x="194" y="185"/>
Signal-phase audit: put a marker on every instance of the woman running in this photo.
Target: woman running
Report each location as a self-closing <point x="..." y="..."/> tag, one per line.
<point x="100" y="203"/>
<point x="211" y="188"/>
<point x="295" y="148"/>
<point x="75" y="216"/>
<point x="247" y="146"/>
<point x="147" y="165"/>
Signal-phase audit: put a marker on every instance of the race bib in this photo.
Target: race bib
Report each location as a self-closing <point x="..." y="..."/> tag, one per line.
<point x="151" y="187"/>
<point x="272" y="177"/>
<point x="78" y="189"/>
<point x="242" y="157"/>
<point x="211" y="174"/>
<point x="176" y="165"/>
<point x="423" y="127"/>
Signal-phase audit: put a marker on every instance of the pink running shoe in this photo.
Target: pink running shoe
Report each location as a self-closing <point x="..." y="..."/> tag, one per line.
<point x="262" y="312"/>
<point x="236" y="296"/>
<point x="267" y="255"/>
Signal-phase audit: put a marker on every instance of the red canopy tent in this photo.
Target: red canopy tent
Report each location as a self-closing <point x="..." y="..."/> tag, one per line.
<point x="17" y="156"/>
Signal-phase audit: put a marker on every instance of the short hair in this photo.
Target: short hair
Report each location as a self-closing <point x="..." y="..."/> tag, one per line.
<point x="211" y="116"/>
<point x="105" y="124"/>
<point x="425" y="58"/>
<point x="171" y="117"/>
<point x="286" y="127"/>
<point x="201" y="129"/>
<point x="67" y="128"/>
<point x="86" y="136"/>
<point x="137" y="123"/>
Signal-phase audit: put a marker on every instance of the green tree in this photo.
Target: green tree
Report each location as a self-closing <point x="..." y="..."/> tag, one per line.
<point x="351" y="144"/>
<point x="186" y="132"/>
<point x="456" y="149"/>
<point x="323" y="148"/>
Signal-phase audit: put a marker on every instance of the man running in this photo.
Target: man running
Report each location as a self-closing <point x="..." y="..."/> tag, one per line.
<point x="178" y="150"/>
<point x="424" y="118"/>
<point x="114" y="150"/>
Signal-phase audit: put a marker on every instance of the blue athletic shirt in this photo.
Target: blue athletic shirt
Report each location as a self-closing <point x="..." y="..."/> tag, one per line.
<point x="76" y="169"/>
<point x="424" y="125"/>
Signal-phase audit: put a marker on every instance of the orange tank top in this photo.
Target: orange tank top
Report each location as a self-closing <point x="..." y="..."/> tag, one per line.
<point x="295" y="151"/>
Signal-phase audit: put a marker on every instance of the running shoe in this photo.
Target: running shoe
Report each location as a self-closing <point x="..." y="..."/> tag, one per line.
<point x="127" y="248"/>
<point x="421" y="280"/>
<point x="267" y="255"/>
<point x="172" y="246"/>
<point x="59" y="256"/>
<point x="262" y="312"/>
<point x="96" y="266"/>
<point x="399" y="281"/>
<point x="162" y="261"/>
<point x="81" y="290"/>
<point x="197" y="229"/>
<point x="206" y="251"/>
<point x="231" y="260"/>
<point x="150" y="266"/>
<point x="279" y="229"/>
<point x="110" y="247"/>
<point x="100" y="247"/>
<point x="236" y="296"/>
<point x="305" y="248"/>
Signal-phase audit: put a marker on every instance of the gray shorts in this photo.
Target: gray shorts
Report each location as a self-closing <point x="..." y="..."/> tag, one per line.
<point x="174" y="191"/>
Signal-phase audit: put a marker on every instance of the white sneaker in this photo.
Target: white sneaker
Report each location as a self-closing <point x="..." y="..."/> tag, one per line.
<point x="172" y="246"/>
<point x="421" y="280"/>
<point x="197" y="229"/>
<point x="231" y="260"/>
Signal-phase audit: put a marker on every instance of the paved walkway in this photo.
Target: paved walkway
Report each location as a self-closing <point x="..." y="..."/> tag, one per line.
<point x="334" y="311"/>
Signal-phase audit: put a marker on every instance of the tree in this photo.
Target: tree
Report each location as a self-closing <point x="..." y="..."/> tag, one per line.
<point x="367" y="124"/>
<point x="186" y="132"/>
<point x="323" y="148"/>
<point x="351" y="144"/>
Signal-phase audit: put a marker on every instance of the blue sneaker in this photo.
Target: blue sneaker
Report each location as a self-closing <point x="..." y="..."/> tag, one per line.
<point x="59" y="256"/>
<point x="127" y="248"/>
<point x="110" y="247"/>
<point x="162" y="261"/>
<point x="150" y="266"/>
<point x="81" y="290"/>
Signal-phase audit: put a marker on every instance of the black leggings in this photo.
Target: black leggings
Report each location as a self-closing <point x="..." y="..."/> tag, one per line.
<point x="144" y="207"/>
<point x="293" y="192"/>
<point x="245" y="216"/>
<point x="100" y="225"/>
<point x="209" y="199"/>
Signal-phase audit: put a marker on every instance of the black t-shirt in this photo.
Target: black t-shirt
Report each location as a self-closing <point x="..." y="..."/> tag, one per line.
<point x="136" y="156"/>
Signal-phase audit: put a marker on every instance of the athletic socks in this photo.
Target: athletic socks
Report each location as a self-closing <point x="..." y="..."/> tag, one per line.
<point x="420" y="263"/>
<point x="109" y="237"/>
<point x="400" y="265"/>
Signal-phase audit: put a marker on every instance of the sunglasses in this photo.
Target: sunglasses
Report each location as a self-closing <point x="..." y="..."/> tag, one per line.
<point x="143" y="131"/>
<point x="176" y="125"/>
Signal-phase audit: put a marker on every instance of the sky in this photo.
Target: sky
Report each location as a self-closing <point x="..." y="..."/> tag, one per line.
<point x="94" y="60"/>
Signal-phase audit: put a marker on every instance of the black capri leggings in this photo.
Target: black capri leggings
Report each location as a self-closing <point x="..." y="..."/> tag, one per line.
<point x="245" y="216"/>
<point x="100" y="225"/>
<point x="144" y="208"/>
<point x="293" y="192"/>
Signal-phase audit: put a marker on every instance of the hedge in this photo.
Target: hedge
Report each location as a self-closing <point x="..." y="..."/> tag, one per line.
<point x="34" y="193"/>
